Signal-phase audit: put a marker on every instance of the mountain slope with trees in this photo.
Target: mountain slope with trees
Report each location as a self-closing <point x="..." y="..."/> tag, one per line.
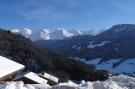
<point x="37" y="59"/>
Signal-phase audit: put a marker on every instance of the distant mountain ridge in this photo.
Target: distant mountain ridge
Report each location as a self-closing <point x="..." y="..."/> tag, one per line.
<point x="59" y="34"/>
<point x="116" y="43"/>
<point x="115" y="37"/>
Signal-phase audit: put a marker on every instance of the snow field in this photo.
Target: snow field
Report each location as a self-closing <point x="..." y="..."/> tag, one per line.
<point x="115" y="82"/>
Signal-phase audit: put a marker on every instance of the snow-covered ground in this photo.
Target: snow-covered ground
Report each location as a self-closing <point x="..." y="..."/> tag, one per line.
<point x="115" y="82"/>
<point x="126" y="67"/>
<point x="91" y="45"/>
<point x="76" y="47"/>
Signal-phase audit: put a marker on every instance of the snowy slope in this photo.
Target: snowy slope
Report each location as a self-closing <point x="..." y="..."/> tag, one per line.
<point x="115" y="82"/>
<point x="92" y="45"/>
<point x="126" y="67"/>
<point x="8" y="66"/>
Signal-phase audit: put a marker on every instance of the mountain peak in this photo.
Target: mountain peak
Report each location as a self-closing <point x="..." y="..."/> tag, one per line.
<point x="44" y="34"/>
<point x="122" y="27"/>
<point x="26" y="32"/>
<point x="75" y="32"/>
<point x="46" y="30"/>
<point x="65" y="32"/>
<point x="16" y="31"/>
<point x="61" y="33"/>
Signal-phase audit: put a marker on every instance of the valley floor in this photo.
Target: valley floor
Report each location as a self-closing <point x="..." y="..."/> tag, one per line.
<point x="115" y="82"/>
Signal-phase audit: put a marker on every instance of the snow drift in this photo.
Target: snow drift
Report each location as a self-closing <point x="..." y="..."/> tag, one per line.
<point x="115" y="82"/>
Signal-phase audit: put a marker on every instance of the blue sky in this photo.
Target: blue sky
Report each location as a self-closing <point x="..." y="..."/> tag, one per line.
<point x="69" y="14"/>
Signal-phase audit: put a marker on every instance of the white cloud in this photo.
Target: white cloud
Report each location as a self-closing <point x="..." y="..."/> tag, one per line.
<point x="52" y="10"/>
<point x="42" y="11"/>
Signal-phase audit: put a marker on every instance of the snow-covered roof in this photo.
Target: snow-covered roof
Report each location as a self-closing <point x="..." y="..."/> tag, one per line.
<point x="50" y="77"/>
<point x="8" y="66"/>
<point x="35" y="77"/>
<point x="32" y="76"/>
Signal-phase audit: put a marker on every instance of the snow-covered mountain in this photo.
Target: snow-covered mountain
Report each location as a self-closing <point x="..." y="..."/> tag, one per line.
<point x="59" y="34"/>
<point x="16" y="31"/>
<point x="45" y="34"/>
<point x="42" y="34"/>
<point x="26" y="32"/>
